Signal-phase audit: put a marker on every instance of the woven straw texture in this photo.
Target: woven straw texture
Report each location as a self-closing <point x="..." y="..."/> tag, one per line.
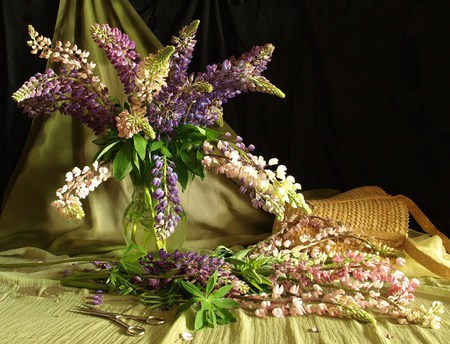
<point x="367" y="210"/>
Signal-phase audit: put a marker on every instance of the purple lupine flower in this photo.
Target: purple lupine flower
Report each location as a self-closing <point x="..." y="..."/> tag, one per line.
<point x="182" y="56"/>
<point x="72" y="93"/>
<point x="119" y="49"/>
<point x="165" y="192"/>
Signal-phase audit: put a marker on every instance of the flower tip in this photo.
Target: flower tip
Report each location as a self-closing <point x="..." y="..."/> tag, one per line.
<point x="187" y="336"/>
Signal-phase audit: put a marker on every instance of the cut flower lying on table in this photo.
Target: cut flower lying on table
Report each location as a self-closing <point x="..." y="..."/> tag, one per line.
<point x="280" y="276"/>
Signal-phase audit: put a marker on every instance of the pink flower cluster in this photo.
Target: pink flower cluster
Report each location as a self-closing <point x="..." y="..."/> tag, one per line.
<point x="312" y="278"/>
<point x="129" y="124"/>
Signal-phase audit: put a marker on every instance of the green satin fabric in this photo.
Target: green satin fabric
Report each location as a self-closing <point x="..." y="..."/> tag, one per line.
<point x="216" y="213"/>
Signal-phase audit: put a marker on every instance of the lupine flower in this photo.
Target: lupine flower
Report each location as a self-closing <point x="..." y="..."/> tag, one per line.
<point x="131" y="124"/>
<point x="119" y="49"/>
<point x="168" y="208"/>
<point x="45" y="93"/>
<point x="268" y="190"/>
<point x="79" y="184"/>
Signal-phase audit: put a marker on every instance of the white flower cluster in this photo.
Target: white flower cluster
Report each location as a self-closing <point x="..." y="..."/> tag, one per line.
<point x="269" y="190"/>
<point x="427" y="317"/>
<point x="79" y="184"/>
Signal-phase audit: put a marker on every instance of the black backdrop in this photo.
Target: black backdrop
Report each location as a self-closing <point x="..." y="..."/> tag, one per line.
<point x="367" y="85"/>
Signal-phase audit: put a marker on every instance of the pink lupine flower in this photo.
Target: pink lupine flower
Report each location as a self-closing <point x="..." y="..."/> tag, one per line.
<point x="261" y="312"/>
<point x="277" y="291"/>
<point x="278" y="312"/>
<point x="294" y="289"/>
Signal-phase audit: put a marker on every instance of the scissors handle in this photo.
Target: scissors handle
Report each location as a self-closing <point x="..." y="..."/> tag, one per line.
<point x="129" y="329"/>
<point x="151" y="319"/>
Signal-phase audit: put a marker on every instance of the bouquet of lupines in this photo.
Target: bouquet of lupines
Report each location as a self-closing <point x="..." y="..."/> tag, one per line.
<point x="161" y="134"/>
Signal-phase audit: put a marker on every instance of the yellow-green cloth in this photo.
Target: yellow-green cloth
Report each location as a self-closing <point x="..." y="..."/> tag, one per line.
<point x="216" y="212"/>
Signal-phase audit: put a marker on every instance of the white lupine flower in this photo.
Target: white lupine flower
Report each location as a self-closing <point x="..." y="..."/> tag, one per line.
<point x="76" y="171"/>
<point x="69" y="176"/>
<point x="273" y="161"/>
<point x="79" y="184"/>
<point x="281" y="172"/>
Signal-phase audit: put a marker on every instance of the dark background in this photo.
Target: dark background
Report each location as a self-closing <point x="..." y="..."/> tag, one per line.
<point x="367" y="86"/>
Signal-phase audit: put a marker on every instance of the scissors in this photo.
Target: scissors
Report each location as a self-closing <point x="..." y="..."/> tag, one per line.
<point x="117" y="317"/>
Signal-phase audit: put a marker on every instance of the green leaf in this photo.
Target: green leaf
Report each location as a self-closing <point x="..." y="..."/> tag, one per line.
<point x="241" y="254"/>
<point x="192" y="289"/>
<point x="185" y="306"/>
<point x="113" y="100"/>
<point x="133" y="253"/>
<point x="238" y="263"/>
<point x="221" y="292"/>
<point x="222" y="251"/>
<point x="200" y="319"/>
<point x="155" y="145"/>
<point x="211" y="316"/>
<point x="106" y="149"/>
<point x="225" y="315"/>
<point x="122" y="161"/>
<point x="265" y="280"/>
<point x="140" y="145"/>
<point x="251" y="274"/>
<point x="201" y="131"/>
<point x="136" y="161"/>
<point x="132" y="268"/>
<point x="211" y="283"/>
<point x="225" y="303"/>
<point x="183" y="174"/>
<point x="191" y="162"/>
<point x="165" y="151"/>
<point x="211" y="134"/>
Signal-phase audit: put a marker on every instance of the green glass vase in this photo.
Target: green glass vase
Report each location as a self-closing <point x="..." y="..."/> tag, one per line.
<point x="138" y="221"/>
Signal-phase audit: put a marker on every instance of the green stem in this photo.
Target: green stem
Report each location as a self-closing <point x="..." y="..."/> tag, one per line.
<point x="53" y="262"/>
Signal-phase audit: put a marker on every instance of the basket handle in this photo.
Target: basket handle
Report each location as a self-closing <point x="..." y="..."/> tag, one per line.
<point x="427" y="261"/>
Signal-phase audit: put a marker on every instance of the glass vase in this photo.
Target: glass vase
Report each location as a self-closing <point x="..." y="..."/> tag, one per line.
<point x="139" y="223"/>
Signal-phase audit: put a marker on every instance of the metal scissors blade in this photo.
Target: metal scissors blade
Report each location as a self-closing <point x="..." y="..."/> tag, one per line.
<point x="129" y="329"/>
<point x="151" y="319"/>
